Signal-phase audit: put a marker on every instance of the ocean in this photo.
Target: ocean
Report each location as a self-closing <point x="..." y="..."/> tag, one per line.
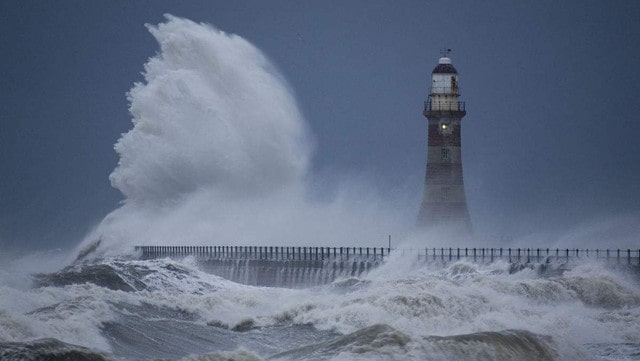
<point x="219" y="150"/>
<point x="167" y="309"/>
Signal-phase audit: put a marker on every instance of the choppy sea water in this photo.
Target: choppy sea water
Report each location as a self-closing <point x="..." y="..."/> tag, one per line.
<point x="127" y="309"/>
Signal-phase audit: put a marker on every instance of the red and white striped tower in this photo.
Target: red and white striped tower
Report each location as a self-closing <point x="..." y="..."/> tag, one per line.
<point x="444" y="202"/>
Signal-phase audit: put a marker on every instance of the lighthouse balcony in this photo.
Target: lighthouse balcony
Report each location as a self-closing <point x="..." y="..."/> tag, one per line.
<point x="444" y="106"/>
<point x="444" y="109"/>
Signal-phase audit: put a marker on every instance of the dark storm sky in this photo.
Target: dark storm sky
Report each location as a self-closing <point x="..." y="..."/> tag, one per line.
<point x="550" y="140"/>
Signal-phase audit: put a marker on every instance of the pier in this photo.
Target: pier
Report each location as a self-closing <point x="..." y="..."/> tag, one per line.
<point x="310" y="266"/>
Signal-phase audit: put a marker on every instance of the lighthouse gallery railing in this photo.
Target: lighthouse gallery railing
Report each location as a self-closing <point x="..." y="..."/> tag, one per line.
<point x="444" y="106"/>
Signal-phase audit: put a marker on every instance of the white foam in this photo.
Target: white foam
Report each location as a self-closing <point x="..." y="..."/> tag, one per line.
<point x="483" y="298"/>
<point x="423" y="301"/>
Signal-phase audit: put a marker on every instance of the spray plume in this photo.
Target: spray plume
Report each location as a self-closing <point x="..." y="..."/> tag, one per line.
<point x="219" y="152"/>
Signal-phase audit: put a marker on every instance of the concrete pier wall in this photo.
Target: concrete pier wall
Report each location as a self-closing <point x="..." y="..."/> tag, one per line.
<point x="286" y="273"/>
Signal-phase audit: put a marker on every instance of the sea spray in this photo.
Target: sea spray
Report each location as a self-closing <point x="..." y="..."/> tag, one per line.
<point x="220" y="153"/>
<point x="212" y="113"/>
<point x="214" y="123"/>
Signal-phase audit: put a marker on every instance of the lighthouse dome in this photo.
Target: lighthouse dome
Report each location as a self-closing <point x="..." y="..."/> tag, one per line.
<point x="444" y="67"/>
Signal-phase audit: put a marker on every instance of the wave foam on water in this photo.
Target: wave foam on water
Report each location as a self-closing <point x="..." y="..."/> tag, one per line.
<point x="418" y="314"/>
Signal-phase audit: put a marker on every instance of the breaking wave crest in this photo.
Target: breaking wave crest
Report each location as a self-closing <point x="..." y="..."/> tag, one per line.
<point x="47" y="349"/>
<point x="382" y="342"/>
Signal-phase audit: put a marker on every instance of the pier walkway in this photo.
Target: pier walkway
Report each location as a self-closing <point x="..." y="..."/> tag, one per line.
<point x="309" y="266"/>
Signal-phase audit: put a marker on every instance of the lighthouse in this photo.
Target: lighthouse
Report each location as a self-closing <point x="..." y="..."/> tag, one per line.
<point x="444" y="203"/>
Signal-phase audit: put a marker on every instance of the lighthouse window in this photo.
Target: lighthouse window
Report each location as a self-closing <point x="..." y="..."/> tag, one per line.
<point x="445" y="193"/>
<point x="444" y="155"/>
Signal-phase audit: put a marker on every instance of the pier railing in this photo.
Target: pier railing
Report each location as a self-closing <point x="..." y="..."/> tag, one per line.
<point x="530" y="255"/>
<point x="371" y="254"/>
<point x="295" y="267"/>
<point x="267" y="252"/>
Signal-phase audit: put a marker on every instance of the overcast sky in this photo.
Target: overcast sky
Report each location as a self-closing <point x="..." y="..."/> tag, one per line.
<point x="550" y="140"/>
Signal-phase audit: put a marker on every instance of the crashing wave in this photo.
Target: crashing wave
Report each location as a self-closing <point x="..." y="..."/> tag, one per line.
<point x="48" y="349"/>
<point x="383" y="342"/>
